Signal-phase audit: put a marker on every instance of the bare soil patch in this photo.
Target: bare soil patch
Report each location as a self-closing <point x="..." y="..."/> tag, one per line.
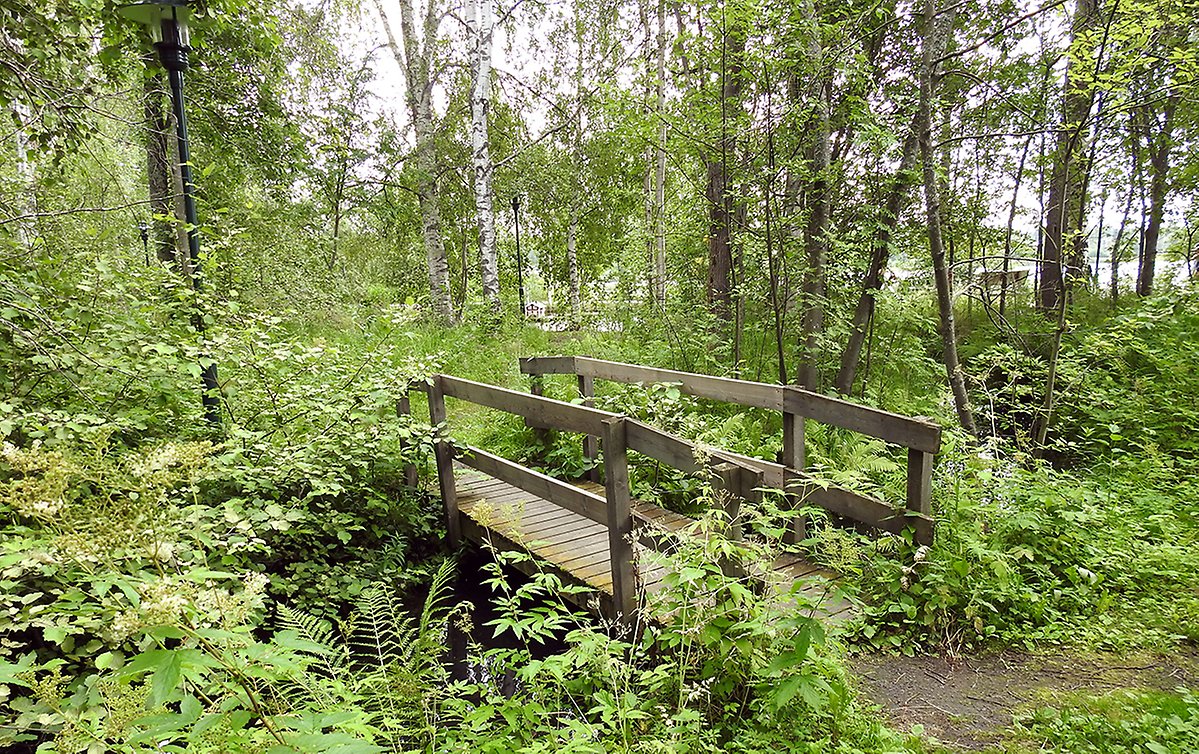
<point x="966" y="702"/>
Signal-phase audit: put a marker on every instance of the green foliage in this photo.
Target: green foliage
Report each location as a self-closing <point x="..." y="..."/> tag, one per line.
<point x="1131" y="389"/>
<point x="1033" y="555"/>
<point x="1122" y="721"/>
<point x="731" y="671"/>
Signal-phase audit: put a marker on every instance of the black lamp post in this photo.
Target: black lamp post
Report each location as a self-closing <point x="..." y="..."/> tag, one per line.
<point x="520" y="262"/>
<point x="143" y="229"/>
<point x="167" y="21"/>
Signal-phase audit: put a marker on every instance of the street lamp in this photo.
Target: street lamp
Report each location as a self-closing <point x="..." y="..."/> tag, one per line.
<point x="143" y="229"/>
<point x="167" y="21"/>
<point x="520" y="262"/>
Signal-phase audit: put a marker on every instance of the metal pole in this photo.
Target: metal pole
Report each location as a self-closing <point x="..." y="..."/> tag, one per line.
<point x="520" y="264"/>
<point x="175" y="65"/>
<point x="144" y="230"/>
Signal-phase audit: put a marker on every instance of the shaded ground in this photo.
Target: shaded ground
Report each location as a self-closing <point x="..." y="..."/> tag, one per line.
<point x="966" y="702"/>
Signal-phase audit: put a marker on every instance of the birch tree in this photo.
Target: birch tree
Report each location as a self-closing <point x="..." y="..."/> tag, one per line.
<point x="481" y="25"/>
<point x="416" y="59"/>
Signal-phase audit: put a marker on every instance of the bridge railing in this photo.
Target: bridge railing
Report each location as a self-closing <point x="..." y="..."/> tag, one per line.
<point x="921" y="439"/>
<point x="739" y="477"/>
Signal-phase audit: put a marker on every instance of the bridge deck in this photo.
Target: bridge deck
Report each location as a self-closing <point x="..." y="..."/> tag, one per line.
<point x="578" y="547"/>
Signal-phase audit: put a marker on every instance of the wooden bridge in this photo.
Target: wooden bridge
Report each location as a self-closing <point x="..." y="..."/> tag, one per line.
<point x="598" y="536"/>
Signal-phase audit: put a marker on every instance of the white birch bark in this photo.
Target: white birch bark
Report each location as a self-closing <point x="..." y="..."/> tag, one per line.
<point x="482" y="21"/>
<point x="415" y="59"/>
<point x="572" y="265"/>
<point x="28" y="175"/>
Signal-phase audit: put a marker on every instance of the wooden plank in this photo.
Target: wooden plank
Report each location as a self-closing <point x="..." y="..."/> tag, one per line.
<point x="542" y="519"/>
<point x="784" y="560"/>
<point x="443" y="452"/>
<point x="542" y="411"/>
<point x="548" y="365"/>
<point x="590" y="486"/>
<point x="662" y="446"/>
<point x="620" y="520"/>
<point x="496" y="493"/>
<point x="598" y="573"/>
<point x="561" y="493"/>
<point x="497" y="503"/>
<point x="867" y="510"/>
<point x="838" y="500"/>
<point x="664" y="519"/>
<point x="740" y="392"/>
<point x="478" y="534"/>
<point x="593" y="550"/>
<point x="562" y="530"/>
<point x="726" y="481"/>
<point x="476" y="481"/>
<point x="686" y="456"/>
<point x="886" y="426"/>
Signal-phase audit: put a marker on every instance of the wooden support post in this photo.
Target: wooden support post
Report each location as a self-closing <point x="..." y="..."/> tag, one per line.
<point x="444" y="453"/>
<point x="728" y="484"/>
<point x="794" y="459"/>
<point x="537" y="388"/>
<point x="920" y="485"/>
<point x="590" y="444"/>
<point x="620" y="521"/>
<point x="404" y="408"/>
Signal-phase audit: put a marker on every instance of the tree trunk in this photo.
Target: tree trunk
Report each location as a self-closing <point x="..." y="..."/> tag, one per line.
<point x="572" y="266"/>
<point x="816" y="229"/>
<point x="160" y="172"/>
<point x="659" y="274"/>
<point x="897" y="198"/>
<point x="415" y="59"/>
<point x="1159" y="173"/>
<point x="1118" y="246"/>
<point x="937" y="32"/>
<point x="481" y="152"/>
<point x="719" y="191"/>
<point x="1066" y="200"/>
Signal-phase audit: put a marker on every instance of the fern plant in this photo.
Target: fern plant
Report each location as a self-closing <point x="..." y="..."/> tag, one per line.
<point x="387" y="660"/>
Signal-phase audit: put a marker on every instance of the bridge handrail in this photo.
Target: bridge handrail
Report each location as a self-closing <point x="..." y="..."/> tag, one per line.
<point x="620" y="434"/>
<point x="905" y="431"/>
<point x="921" y="438"/>
<point x="574" y="499"/>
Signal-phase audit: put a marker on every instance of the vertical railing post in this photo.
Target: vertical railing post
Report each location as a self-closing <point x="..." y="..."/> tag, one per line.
<point x="727" y="484"/>
<point x="404" y="408"/>
<point x="537" y="388"/>
<point x="920" y="485"/>
<point x="794" y="459"/>
<point x="443" y="451"/>
<point x="590" y="444"/>
<point x="620" y="520"/>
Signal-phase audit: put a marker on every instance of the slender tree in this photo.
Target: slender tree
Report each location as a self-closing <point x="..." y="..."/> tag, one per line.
<point x="938" y="30"/>
<point x="484" y="168"/>
<point x="416" y="59"/>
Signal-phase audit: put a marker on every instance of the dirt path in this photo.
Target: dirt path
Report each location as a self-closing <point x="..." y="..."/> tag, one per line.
<point x="967" y="702"/>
